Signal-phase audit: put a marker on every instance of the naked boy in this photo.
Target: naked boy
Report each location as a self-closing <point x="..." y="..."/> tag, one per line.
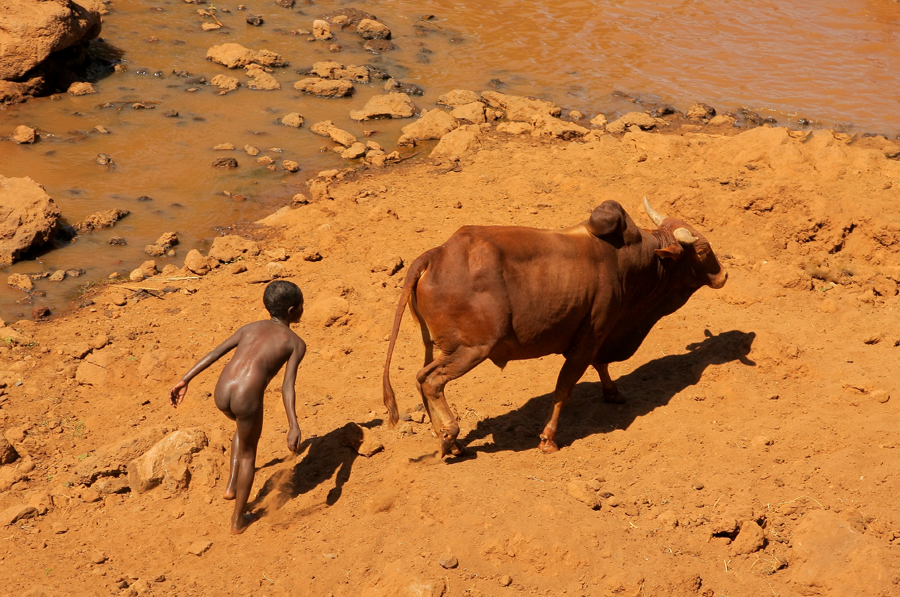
<point x="262" y="348"/>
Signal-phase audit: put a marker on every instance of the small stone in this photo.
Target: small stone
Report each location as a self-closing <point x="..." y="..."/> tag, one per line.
<point x="90" y="496"/>
<point x="254" y="20"/>
<point x="196" y="262"/>
<point x="290" y="166"/>
<point x="40" y="312"/>
<point x="417" y="416"/>
<point x="576" y="115"/>
<point x="448" y="561"/>
<point x="81" y="88"/>
<point x="59" y="528"/>
<point x="668" y="519"/>
<point x="99" y="341"/>
<point x="20" y="282"/>
<point x="225" y="163"/>
<point x="57" y="276"/>
<point x="369" y="29"/>
<point x="24" y="135"/>
<point x="117" y="241"/>
<point x="117" y="298"/>
<point x="505" y="580"/>
<point x="357" y="150"/>
<point x="279" y="254"/>
<point x="700" y="111"/>
<point x="275" y="269"/>
<point x="294" y="119"/>
<point x="250" y="150"/>
<point x="613" y="502"/>
<point x="223" y="147"/>
<point x="14" y="514"/>
<point x="579" y="490"/>
<point x="136" y="275"/>
<point x="322" y="30"/>
<point x="8" y="453"/>
<point x="880" y="396"/>
<point x="761" y="441"/>
<point x="210" y="26"/>
<point x="97" y="557"/>
<point x="265" y="160"/>
<point x="237" y="268"/>
<point x="751" y="538"/>
<point x="199" y="547"/>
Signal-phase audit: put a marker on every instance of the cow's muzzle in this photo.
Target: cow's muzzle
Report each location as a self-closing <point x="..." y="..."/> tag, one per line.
<point x="718" y="281"/>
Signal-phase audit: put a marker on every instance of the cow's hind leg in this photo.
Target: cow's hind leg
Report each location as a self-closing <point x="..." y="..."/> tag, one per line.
<point x="433" y="378"/>
<point x="428" y="343"/>
<point x="576" y="364"/>
<point x="611" y="392"/>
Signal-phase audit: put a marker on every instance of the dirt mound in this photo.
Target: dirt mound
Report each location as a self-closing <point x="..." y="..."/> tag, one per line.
<point x="756" y="451"/>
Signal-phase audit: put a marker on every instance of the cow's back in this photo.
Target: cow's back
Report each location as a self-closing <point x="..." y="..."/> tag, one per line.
<point x="524" y="291"/>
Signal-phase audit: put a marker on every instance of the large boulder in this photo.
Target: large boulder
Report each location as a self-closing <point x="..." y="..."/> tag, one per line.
<point x="28" y="217"/>
<point x="433" y="124"/>
<point x="31" y="30"/>
<point x="391" y="105"/>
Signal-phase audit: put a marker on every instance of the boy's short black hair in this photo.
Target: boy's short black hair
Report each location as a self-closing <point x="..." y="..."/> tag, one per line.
<point x="281" y="295"/>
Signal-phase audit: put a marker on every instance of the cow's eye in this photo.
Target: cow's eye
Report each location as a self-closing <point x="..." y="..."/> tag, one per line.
<point x="701" y="252"/>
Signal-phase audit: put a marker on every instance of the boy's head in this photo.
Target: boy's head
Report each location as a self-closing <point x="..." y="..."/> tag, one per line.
<point x="283" y="300"/>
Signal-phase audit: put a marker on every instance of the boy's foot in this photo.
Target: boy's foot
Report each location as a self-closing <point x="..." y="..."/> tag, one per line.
<point x="241" y="525"/>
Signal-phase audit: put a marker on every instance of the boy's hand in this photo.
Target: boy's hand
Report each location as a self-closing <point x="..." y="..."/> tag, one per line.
<point x="176" y="394"/>
<point x="293" y="440"/>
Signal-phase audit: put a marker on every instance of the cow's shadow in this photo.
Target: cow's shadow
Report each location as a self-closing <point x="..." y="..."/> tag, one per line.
<point x="319" y="458"/>
<point x="649" y="386"/>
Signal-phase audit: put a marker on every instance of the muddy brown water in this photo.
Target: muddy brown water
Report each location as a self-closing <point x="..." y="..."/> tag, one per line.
<point x="835" y="63"/>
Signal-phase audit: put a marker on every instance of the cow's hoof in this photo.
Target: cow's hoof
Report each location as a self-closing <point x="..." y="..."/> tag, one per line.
<point x="615" y="398"/>
<point x="449" y="446"/>
<point x="458" y="449"/>
<point x="548" y="446"/>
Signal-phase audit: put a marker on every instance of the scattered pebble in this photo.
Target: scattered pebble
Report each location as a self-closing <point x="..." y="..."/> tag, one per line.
<point x="448" y="561"/>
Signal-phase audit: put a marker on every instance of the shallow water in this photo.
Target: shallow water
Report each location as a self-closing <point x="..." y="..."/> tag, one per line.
<point x="836" y="63"/>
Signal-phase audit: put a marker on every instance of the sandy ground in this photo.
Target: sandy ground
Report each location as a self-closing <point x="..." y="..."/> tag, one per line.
<point x="757" y="453"/>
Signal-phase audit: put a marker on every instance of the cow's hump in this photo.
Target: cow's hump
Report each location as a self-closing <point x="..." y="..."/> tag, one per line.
<point x="610" y="222"/>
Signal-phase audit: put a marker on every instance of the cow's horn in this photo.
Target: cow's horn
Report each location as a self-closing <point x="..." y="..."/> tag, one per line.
<point x="654" y="215"/>
<point x="684" y="237"/>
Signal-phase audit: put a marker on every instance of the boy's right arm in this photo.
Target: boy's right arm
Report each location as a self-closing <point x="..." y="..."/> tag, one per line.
<point x="178" y="391"/>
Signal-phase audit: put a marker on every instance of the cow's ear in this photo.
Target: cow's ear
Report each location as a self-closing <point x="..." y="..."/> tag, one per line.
<point x="673" y="252"/>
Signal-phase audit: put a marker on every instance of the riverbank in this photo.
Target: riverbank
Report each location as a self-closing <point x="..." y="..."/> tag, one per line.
<point x="755" y="453"/>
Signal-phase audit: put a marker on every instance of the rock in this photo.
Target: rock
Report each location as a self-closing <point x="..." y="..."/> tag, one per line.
<point x="28" y="218"/>
<point x="14" y="514"/>
<point x="225" y="163"/>
<point x="196" y="262"/>
<point x="520" y="108"/>
<point x="326" y="128"/>
<point x="210" y="26"/>
<point x="749" y="539"/>
<point x="231" y="247"/>
<point x="31" y="30"/>
<point x="262" y="80"/>
<point x="599" y="121"/>
<point x="322" y="30"/>
<point x="337" y="71"/>
<point x="579" y="490"/>
<point x="136" y="275"/>
<point x="457" y="143"/>
<point x="700" y="111"/>
<point x="432" y="124"/>
<point x="294" y="119"/>
<point x="400" y="87"/>
<point x="515" y="128"/>
<point x="24" y="135"/>
<point x="391" y="105"/>
<point x="448" y="560"/>
<point x="81" y="88"/>
<point x="117" y="241"/>
<point x="148" y="268"/>
<point x="458" y="97"/>
<point x="20" y="282"/>
<point x="548" y="126"/>
<point x="59" y="528"/>
<point x="90" y="496"/>
<point x="275" y="270"/>
<point x="8" y="453"/>
<point x="99" y="341"/>
<point x="378" y="46"/>
<point x="473" y="112"/>
<point x="391" y="265"/>
<point x="40" y="312"/>
<point x="164" y="461"/>
<point x="250" y="150"/>
<point x="237" y="268"/>
<point x="101" y="219"/>
<point x="324" y="87"/>
<point x="830" y="559"/>
<point x="639" y="119"/>
<point x="371" y="29"/>
<point x="225" y="83"/>
<point x="200" y="547"/>
<point x="97" y="557"/>
<point x="265" y="160"/>
<point x="361" y="439"/>
<point x="234" y="55"/>
<point x="117" y="298"/>
<point x="10" y="336"/>
<point x="357" y="150"/>
<point x="290" y="166"/>
<point x="668" y="519"/>
<point x="880" y="396"/>
<point x="761" y="441"/>
<point x="328" y="312"/>
<point x="167" y="240"/>
<point x="254" y="20"/>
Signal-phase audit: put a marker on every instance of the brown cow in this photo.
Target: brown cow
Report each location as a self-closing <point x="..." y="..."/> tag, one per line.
<point x="591" y="292"/>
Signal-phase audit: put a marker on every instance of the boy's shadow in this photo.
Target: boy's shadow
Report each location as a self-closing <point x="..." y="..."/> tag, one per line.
<point x="334" y="451"/>
<point x="647" y="387"/>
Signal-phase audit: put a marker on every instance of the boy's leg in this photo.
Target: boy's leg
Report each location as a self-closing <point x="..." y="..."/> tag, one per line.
<point x="244" y="446"/>
<point x="232" y="474"/>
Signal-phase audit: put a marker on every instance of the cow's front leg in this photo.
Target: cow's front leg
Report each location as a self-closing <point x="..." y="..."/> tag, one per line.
<point x="576" y="364"/>
<point x="611" y="392"/>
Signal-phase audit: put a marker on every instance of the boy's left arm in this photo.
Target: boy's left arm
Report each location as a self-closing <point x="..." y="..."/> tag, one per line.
<point x="288" y="394"/>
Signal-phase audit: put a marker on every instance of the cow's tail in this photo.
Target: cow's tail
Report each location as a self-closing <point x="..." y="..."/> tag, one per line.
<point x="416" y="270"/>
